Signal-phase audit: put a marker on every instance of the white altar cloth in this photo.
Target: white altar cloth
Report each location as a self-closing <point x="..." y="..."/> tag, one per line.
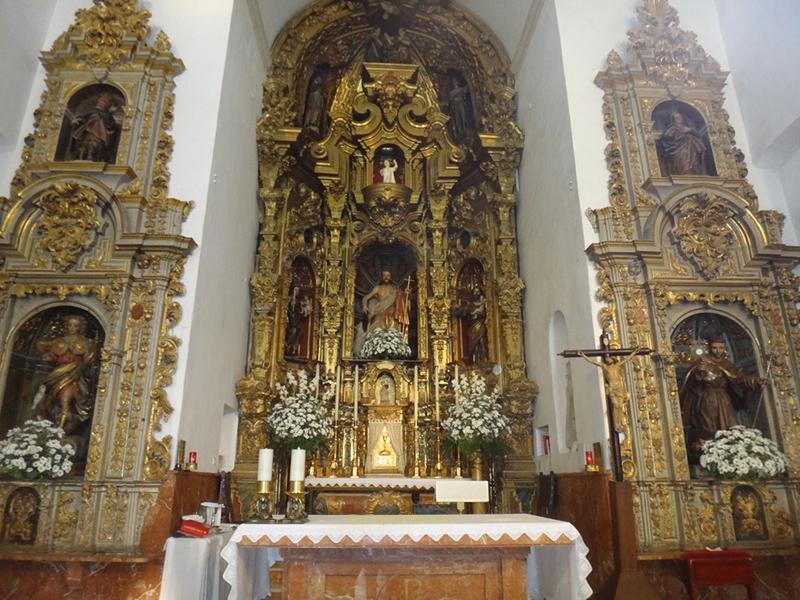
<point x="193" y="569"/>
<point x="389" y="483"/>
<point x="557" y="564"/>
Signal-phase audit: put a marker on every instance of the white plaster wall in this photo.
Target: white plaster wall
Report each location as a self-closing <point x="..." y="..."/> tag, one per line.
<point x="589" y="30"/>
<point x="551" y="243"/>
<point x="217" y="349"/>
<point x="23" y="26"/>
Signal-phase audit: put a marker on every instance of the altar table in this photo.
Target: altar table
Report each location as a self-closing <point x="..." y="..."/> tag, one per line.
<point x="372" y="557"/>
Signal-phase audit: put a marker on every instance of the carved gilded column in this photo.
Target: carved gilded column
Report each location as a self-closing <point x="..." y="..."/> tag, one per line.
<point x="439" y="302"/>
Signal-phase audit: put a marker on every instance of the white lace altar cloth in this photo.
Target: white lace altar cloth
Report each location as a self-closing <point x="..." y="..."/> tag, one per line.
<point x="557" y="563"/>
<point x="388" y="483"/>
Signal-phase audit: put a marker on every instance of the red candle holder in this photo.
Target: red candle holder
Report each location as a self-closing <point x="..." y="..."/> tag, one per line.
<point x="591" y="467"/>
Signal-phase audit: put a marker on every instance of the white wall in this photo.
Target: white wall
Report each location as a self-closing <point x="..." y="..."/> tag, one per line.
<point x="762" y="40"/>
<point x="217" y="348"/>
<point x="23" y="26"/>
<point x="551" y="243"/>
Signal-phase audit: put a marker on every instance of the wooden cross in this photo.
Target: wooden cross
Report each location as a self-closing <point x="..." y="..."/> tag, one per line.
<point x="612" y="363"/>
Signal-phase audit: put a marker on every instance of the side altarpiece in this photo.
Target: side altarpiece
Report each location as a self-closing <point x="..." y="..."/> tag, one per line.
<point x="91" y="259"/>
<point x="388" y="152"/>
<point x="686" y="257"/>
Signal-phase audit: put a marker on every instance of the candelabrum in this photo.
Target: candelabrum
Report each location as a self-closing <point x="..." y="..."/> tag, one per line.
<point x="263" y="504"/>
<point x="296" y="506"/>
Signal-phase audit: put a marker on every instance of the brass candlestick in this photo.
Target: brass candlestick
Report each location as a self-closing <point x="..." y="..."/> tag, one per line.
<point x="296" y="506"/>
<point x="439" y="466"/>
<point x="458" y="465"/>
<point x="354" y="457"/>
<point x="334" y="467"/>
<point x="263" y="504"/>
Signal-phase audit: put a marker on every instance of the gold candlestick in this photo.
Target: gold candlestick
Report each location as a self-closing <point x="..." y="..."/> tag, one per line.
<point x="263" y="504"/>
<point x="296" y="506"/>
<point x="416" y="453"/>
<point x="458" y="464"/>
<point x="334" y="468"/>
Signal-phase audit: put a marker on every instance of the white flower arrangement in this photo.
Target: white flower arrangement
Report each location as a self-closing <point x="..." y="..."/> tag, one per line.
<point x="300" y="419"/>
<point x="476" y="420"/>
<point x="742" y="453"/>
<point x="36" y="450"/>
<point x="385" y="342"/>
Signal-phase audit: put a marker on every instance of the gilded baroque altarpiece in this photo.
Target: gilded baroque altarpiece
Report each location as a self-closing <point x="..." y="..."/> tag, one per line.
<point x="388" y="141"/>
<point x="684" y="238"/>
<point x="89" y="226"/>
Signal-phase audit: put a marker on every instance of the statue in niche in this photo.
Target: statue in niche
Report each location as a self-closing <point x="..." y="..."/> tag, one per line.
<point x="299" y="311"/>
<point x="92" y="124"/>
<point x="315" y="105"/>
<point x="385" y="389"/>
<point x="708" y="392"/>
<point x="471" y="313"/>
<point x="459" y="103"/>
<point x="380" y="301"/>
<point x="384" y="455"/>
<point x="66" y="396"/>
<point x="682" y="147"/>
<point x="388" y="165"/>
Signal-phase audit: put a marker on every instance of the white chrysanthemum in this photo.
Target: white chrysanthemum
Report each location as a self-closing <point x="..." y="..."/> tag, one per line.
<point x="742" y="453"/>
<point x="300" y="417"/>
<point x="476" y="420"/>
<point x="385" y="343"/>
<point x="35" y="450"/>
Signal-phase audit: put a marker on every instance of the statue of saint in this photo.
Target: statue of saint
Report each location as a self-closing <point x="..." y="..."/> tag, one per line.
<point x="68" y="400"/>
<point x="708" y="391"/>
<point x="94" y="132"/>
<point x="458" y="101"/>
<point x="388" y="169"/>
<point x="386" y="305"/>
<point x="682" y="147"/>
<point x="473" y="317"/>
<point x="315" y="106"/>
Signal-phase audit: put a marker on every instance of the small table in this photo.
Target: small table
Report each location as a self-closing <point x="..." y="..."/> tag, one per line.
<point x="471" y="556"/>
<point x="193" y="569"/>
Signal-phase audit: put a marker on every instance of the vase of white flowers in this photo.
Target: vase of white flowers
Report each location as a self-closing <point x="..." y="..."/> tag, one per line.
<point x="476" y="421"/>
<point x="37" y="450"/>
<point x="385" y="343"/>
<point x="742" y="454"/>
<point x="300" y="419"/>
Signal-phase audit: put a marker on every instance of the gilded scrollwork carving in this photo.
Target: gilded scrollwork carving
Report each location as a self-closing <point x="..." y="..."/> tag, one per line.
<point x="703" y="234"/>
<point x="69" y="223"/>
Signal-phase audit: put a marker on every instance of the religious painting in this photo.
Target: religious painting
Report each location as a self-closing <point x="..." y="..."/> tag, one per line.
<point x="385" y="394"/>
<point x="456" y="99"/>
<point x="718" y="379"/>
<point x="21" y="516"/>
<point x="682" y="141"/>
<point x="386" y="286"/>
<point x="91" y="125"/>
<point x="53" y="371"/>
<point x="749" y="521"/>
<point x="388" y="165"/>
<point x="300" y="311"/>
<point x="470" y="313"/>
<point x="321" y="88"/>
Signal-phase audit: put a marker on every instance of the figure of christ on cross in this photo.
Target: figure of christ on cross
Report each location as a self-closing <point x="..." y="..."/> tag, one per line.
<point x="612" y="362"/>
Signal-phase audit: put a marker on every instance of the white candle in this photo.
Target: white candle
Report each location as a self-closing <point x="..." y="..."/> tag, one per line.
<point x="436" y="390"/>
<point x="297" y="469"/>
<point x="338" y="386"/>
<point x="355" y="399"/>
<point x="457" y="384"/>
<point x="416" y="395"/>
<point x="265" y="464"/>
<point x="316" y="392"/>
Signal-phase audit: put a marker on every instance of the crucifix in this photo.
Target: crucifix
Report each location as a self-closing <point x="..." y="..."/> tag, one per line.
<point x="612" y="362"/>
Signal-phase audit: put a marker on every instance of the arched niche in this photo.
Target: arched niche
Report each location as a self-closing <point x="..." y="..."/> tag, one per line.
<point x="384" y="270"/>
<point x="21" y="516"/>
<point x="716" y="398"/>
<point x="54" y="364"/>
<point x="90" y="128"/>
<point x="388" y="165"/>
<point x="320" y="90"/>
<point x="456" y="100"/>
<point x="472" y="343"/>
<point x="300" y="310"/>
<point x="682" y="143"/>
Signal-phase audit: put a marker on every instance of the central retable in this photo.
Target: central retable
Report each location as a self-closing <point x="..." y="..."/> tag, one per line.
<point x="479" y="557"/>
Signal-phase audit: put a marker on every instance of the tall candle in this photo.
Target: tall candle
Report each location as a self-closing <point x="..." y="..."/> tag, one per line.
<point x="457" y="384"/>
<point x="316" y="391"/>
<point x="416" y="395"/>
<point x="338" y="386"/>
<point x="265" y="464"/>
<point x="355" y="399"/>
<point x="297" y="469"/>
<point x="436" y="391"/>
